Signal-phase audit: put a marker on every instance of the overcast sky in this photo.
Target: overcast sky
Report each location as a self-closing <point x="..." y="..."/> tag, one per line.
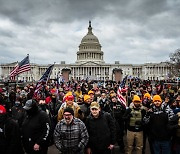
<point x="130" y="31"/>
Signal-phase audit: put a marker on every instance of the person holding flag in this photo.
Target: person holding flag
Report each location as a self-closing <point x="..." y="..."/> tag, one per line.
<point x="43" y="80"/>
<point x="121" y="92"/>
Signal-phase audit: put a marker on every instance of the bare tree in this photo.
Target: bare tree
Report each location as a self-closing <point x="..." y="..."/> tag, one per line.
<point x="174" y="63"/>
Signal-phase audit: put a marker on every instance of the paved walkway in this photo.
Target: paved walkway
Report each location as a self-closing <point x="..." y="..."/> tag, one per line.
<point x="53" y="150"/>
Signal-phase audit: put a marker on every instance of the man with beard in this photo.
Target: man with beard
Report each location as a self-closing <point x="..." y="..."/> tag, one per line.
<point x="85" y="107"/>
<point x="70" y="134"/>
<point x="35" y="129"/>
<point x="134" y="120"/>
<point x="158" y="118"/>
<point x="70" y="103"/>
<point x="9" y="134"/>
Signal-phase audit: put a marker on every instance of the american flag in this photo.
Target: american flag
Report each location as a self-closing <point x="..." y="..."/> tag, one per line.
<point x="20" y="67"/>
<point x="43" y="80"/>
<point x="24" y="65"/>
<point x="13" y="72"/>
<point x="119" y="95"/>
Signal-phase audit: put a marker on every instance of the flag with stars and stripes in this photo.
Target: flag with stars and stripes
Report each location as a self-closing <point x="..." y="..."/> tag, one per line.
<point x="43" y="80"/>
<point x="119" y="91"/>
<point x="20" y="67"/>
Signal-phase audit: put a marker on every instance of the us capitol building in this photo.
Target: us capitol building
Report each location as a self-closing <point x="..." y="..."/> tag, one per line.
<point x="90" y="64"/>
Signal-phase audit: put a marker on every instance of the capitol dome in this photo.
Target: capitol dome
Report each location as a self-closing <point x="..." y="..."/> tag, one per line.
<point x="90" y="48"/>
<point x="90" y="37"/>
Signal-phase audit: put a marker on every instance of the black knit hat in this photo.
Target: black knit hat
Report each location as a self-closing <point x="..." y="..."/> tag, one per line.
<point x="70" y="110"/>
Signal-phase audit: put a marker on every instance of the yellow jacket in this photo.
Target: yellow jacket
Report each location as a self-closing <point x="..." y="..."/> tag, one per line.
<point x="75" y="108"/>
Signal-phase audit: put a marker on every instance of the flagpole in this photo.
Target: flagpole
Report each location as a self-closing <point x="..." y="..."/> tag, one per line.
<point x="31" y="71"/>
<point x="16" y="80"/>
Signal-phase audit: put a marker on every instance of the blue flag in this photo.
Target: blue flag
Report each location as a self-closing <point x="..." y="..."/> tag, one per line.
<point x="43" y="80"/>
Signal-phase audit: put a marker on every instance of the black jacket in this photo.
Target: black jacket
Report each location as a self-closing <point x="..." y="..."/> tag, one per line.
<point x="101" y="131"/>
<point x="117" y="111"/>
<point x="18" y="114"/>
<point x="10" y="137"/>
<point x="159" y="122"/>
<point x="36" y="129"/>
<point x="85" y="108"/>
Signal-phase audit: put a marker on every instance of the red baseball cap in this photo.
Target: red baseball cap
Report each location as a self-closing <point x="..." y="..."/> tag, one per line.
<point x="2" y="109"/>
<point x="53" y="91"/>
<point x="69" y="98"/>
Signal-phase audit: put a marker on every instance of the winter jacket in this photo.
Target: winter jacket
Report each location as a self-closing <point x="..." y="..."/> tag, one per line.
<point x="117" y="111"/>
<point x="159" y="122"/>
<point x="35" y="130"/>
<point x="75" y="108"/>
<point x="101" y="131"/>
<point x="18" y="114"/>
<point x="10" y="137"/>
<point x="70" y="137"/>
<point x="85" y="107"/>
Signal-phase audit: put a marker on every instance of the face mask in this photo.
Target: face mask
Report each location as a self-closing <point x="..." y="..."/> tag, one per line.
<point x="32" y="111"/>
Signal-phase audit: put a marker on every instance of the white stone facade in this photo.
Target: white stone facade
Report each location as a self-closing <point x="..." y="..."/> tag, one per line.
<point x="90" y="64"/>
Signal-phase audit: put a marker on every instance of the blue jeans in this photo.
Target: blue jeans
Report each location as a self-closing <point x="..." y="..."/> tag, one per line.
<point x="161" y="147"/>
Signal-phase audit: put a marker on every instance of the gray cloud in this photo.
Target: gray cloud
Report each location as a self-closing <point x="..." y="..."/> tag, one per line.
<point x="49" y="30"/>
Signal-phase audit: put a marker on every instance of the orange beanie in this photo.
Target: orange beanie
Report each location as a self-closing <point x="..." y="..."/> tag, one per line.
<point x="157" y="98"/>
<point x="147" y="95"/>
<point x="86" y="97"/>
<point x="136" y="98"/>
<point x="90" y="92"/>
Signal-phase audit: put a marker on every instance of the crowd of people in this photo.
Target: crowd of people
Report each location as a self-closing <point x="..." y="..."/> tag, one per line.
<point x="88" y="117"/>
